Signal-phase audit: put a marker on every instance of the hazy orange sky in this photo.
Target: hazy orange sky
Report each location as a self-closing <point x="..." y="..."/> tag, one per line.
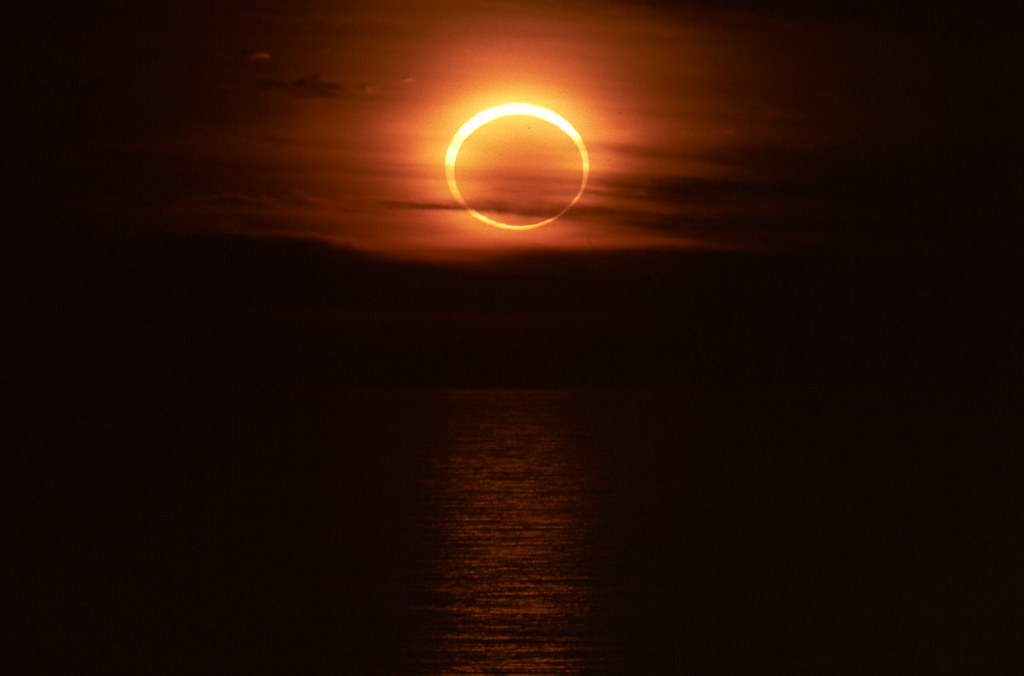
<point x="730" y="124"/>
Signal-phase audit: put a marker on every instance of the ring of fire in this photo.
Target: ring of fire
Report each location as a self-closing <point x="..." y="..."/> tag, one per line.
<point x="504" y="110"/>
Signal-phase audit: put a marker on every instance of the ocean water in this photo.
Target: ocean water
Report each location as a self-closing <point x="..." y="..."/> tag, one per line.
<point x="510" y="531"/>
<point x="513" y="572"/>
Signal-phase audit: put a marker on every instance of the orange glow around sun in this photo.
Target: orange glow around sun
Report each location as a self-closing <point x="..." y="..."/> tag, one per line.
<point x="431" y="160"/>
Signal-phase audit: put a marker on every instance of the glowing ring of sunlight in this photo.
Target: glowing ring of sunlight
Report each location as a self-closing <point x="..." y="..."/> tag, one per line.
<point x="504" y="110"/>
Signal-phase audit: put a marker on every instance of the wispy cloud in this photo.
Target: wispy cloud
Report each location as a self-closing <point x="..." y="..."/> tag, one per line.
<point x="260" y="200"/>
<point x="309" y="85"/>
<point x="317" y="86"/>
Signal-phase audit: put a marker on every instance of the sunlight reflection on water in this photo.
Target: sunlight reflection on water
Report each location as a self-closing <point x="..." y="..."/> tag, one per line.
<point x="510" y="570"/>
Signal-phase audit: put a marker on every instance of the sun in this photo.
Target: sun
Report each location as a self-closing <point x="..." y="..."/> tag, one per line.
<point x="505" y="110"/>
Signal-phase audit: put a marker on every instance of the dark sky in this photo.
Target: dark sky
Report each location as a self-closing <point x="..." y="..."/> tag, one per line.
<point x="247" y="191"/>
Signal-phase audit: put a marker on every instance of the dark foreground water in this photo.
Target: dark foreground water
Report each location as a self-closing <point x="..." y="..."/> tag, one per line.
<point x="513" y="531"/>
